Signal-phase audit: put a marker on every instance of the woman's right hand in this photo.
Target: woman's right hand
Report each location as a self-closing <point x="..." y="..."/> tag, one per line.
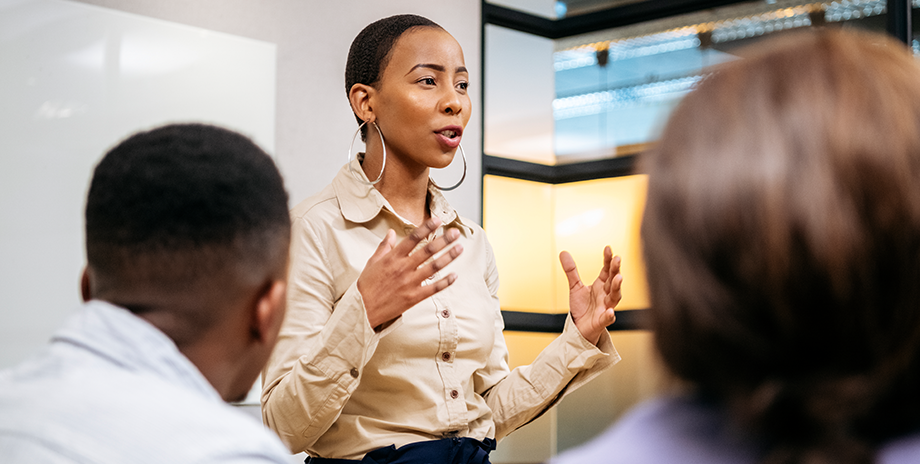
<point x="391" y="282"/>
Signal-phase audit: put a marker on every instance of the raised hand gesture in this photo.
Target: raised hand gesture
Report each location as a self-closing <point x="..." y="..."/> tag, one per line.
<point x="592" y="307"/>
<point x="391" y="282"/>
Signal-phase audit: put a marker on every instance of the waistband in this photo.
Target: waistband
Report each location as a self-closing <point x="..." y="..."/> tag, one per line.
<point x="459" y="450"/>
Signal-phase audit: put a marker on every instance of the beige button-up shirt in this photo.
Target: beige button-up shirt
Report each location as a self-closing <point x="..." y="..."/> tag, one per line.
<point x="335" y="388"/>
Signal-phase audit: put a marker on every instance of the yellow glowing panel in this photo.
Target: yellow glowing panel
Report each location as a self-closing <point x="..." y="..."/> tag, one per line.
<point x="523" y="347"/>
<point x="636" y="377"/>
<point x="517" y="216"/>
<point x="592" y="214"/>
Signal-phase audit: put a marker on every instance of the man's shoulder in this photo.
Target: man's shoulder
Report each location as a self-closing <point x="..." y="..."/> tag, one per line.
<point x="121" y="417"/>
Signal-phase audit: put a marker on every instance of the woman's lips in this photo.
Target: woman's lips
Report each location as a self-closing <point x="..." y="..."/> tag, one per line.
<point x="449" y="137"/>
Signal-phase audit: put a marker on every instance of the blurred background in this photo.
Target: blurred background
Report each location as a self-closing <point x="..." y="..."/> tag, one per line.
<point x="567" y="96"/>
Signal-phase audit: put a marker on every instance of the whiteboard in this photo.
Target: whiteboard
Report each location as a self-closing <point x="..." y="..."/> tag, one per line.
<point x="74" y="80"/>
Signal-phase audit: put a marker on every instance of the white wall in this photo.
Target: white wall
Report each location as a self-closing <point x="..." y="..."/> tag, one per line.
<point x="314" y="124"/>
<point x="74" y="80"/>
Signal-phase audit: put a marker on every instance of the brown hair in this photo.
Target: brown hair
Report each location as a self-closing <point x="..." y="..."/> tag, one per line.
<point x="782" y="242"/>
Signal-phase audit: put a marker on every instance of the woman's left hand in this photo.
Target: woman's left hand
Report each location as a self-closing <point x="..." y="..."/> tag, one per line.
<point x="592" y="307"/>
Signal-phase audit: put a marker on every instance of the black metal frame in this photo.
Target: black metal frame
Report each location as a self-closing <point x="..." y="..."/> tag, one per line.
<point x="559" y="173"/>
<point x="594" y="21"/>
<point x="525" y="321"/>
<point x="899" y="20"/>
<point x="899" y="26"/>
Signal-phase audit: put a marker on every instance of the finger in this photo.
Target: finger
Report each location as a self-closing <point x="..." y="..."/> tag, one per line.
<point x="406" y="245"/>
<point x="613" y="297"/>
<point x="436" y="286"/>
<point x="614" y="271"/>
<point x="608" y="317"/>
<point x="605" y="270"/>
<point x="384" y="247"/>
<point x="441" y="262"/>
<point x="570" y="269"/>
<point x="434" y="247"/>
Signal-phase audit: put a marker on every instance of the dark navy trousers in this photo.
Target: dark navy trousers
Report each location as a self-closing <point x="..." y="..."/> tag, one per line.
<point x="445" y="451"/>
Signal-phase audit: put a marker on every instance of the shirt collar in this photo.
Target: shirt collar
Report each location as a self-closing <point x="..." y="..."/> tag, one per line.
<point x="360" y="202"/>
<point x="132" y="343"/>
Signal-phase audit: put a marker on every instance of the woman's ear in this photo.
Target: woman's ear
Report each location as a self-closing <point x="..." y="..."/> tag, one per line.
<point x="360" y="98"/>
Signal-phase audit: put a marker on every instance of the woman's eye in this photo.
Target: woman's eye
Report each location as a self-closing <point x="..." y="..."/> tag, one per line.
<point x="463" y="85"/>
<point x="427" y="81"/>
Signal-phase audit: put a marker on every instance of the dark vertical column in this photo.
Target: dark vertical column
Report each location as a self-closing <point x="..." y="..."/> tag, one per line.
<point x="899" y="20"/>
<point x="482" y="110"/>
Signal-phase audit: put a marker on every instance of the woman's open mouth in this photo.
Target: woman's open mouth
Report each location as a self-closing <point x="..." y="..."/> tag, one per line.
<point x="450" y="136"/>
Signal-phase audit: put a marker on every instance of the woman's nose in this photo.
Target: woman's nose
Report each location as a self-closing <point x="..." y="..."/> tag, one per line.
<point x="450" y="103"/>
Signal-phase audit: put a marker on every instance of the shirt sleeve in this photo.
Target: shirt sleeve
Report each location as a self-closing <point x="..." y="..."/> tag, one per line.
<point x="523" y="394"/>
<point x="323" y="346"/>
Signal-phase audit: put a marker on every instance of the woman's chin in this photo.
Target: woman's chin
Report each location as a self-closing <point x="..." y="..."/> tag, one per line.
<point x="442" y="161"/>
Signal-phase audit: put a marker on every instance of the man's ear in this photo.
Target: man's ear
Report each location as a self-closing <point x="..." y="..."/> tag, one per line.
<point x="360" y="98"/>
<point x="86" y="287"/>
<point x="269" y="312"/>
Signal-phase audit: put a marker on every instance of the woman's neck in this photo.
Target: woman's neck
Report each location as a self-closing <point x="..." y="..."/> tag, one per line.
<point x="405" y="187"/>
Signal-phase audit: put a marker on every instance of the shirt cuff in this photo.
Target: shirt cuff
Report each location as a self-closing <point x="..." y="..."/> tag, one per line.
<point x="591" y="359"/>
<point x="349" y="341"/>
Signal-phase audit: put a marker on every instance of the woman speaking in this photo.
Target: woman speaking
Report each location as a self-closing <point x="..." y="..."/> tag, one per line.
<point x="393" y="351"/>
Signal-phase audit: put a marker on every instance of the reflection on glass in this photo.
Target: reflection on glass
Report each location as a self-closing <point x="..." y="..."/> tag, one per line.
<point x="613" y="96"/>
<point x="518" y="107"/>
<point x="557" y="9"/>
<point x="614" y="89"/>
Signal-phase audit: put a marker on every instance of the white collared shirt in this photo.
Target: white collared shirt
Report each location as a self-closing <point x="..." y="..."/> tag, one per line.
<point x="112" y="389"/>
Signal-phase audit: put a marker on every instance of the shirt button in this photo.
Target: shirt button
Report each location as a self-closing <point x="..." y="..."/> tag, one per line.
<point x="445" y="313"/>
<point x="454" y="394"/>
<point x="445" y="356"/>
<point x="354" y="372"/>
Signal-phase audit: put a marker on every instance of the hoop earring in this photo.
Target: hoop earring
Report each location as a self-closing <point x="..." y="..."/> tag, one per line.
<point x="462" y="178"/>
<point x="382" y="166"/>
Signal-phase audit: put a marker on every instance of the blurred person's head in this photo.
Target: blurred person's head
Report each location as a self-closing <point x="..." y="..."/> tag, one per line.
<point x="782" y="239"/>
<point x="187" y="226"/>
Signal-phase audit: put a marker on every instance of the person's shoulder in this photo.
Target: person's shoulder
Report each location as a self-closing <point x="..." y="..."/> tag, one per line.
<point x="472" y="227"/>
<point x="91" y="415"/>
<point x="903" y="450"/>
<point x="319" y="204"/>
<point x="666" y="429"/>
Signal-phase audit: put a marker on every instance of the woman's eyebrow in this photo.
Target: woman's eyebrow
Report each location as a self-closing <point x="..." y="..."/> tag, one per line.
<point x="437" y="67"/>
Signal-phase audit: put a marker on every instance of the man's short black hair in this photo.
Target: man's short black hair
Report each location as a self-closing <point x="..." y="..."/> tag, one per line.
<point x="182" y="205"/>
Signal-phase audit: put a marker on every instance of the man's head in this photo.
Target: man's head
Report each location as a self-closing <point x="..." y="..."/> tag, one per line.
<point x="187" y="226"/>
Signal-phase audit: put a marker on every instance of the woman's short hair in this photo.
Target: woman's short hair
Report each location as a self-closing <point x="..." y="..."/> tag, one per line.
<point x="782" y="242"/>
<point x="370" y="51"/>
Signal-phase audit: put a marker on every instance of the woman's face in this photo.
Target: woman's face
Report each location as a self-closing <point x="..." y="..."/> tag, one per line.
<point x="421" y="102"/>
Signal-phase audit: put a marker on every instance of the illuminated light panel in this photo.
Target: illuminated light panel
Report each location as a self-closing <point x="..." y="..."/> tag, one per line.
<point x="530" y="223"/>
